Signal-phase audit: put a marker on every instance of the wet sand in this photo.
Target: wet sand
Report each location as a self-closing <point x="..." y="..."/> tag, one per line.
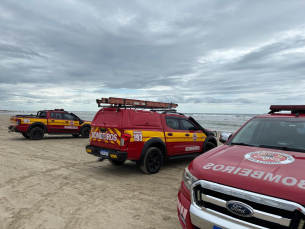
<point x="54" y="183"/>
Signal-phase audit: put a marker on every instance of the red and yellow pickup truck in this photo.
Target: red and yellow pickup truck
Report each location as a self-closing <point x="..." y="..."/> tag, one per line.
<point x="57" y="121"/>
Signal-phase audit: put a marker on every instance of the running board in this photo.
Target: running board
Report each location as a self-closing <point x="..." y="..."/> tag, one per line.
<point x="182" y="156"/>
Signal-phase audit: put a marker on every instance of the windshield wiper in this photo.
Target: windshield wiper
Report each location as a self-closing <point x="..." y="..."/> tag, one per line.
<point x="282" y="148"/>
<point x="241" y="144"/>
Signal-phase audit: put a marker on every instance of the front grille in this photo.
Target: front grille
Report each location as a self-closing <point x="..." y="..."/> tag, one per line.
<point x="257" y="206"/>
<point x="269" y="212"/>
<point x="252" y="220"/>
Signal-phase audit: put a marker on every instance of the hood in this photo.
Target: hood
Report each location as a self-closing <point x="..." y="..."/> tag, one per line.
<point x="266" y="171"/>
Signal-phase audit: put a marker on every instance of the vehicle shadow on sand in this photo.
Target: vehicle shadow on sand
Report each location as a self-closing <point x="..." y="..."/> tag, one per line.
<point x="130" y="168"/>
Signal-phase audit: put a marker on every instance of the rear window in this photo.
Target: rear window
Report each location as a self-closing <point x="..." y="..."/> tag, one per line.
<point x="145" y="118"/>
<point x="108" y="118"/>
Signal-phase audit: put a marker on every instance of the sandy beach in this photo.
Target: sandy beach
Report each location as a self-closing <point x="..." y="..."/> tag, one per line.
<point x="54" y="183"/>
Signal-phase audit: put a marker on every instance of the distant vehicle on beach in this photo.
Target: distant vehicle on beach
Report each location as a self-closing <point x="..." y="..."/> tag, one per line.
<point x="57" y="121"/>
<point x="254" y="180"/>
<point x="122" y="131"/>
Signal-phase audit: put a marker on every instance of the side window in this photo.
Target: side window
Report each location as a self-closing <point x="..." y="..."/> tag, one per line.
<point x="187" y="125"/>
<point x="69" y="116"/>
<point x="56" y="115"/>
<point x="173" y="123"/>
<point x="42" y="114"/>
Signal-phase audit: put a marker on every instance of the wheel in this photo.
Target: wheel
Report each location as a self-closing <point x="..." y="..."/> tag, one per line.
<point x="85" y="132"/>
<point x="36" y="133"/>
<point x="114" y="162"/>
<point x="153" y="161"/>
<point x="75" y="135"/>
<point x="26" y="135"/>
<point x="209" y="146"/>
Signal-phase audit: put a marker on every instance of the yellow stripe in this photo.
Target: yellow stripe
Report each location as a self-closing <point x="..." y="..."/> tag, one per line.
<point x="119" y="135"/>
<point x="110" y="130"/>
<point x="180" y="137"/>
<point x="118" y="132"/>
<point x="146" y="135"/>
<point x="32" y="120"/>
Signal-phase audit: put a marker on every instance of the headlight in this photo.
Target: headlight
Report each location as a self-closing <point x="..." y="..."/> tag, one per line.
<point x="188" y="178"/>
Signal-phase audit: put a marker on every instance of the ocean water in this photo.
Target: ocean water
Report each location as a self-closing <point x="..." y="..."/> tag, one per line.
<point x="219" y="122"/>
<point x="216" y="121"/>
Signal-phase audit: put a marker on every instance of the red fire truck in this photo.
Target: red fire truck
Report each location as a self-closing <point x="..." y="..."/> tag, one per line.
<point x="145" y="132"/>
<point x="57" y="121"/>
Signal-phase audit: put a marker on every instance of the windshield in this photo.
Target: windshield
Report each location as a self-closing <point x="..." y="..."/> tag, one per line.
<point x="278" y="133"/>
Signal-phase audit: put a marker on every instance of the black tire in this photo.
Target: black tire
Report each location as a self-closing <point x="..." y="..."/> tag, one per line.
<point x="153" y="161"/>
<point x="85" y="132"/>
<point x="209" y="146"/>
<point x="26" y="135"/>
<point x="75" y="135"/>
<point x="114" y="162"/>
<point x="36" y="133"/>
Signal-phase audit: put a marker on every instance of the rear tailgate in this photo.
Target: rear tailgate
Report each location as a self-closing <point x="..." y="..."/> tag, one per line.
<point x="105" y="130"/>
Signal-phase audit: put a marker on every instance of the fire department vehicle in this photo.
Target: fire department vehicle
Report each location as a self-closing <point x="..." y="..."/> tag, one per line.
<point x="56" y="121"/>
<point x="254" y="180"/>
<point x="145" y="132"/>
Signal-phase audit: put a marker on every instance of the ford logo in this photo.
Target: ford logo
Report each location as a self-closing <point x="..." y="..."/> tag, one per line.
<point x="239" y="208"/>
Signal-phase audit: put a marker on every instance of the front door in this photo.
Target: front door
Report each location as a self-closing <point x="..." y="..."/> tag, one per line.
<point x="194" y="137"/>
<point x="70" y="123"/>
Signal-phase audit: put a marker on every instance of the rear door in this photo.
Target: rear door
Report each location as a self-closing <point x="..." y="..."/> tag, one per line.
<point x="55" y="122"/>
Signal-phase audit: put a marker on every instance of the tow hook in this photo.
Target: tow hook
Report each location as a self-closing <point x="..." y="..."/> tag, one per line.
<point x="100" y="159"/>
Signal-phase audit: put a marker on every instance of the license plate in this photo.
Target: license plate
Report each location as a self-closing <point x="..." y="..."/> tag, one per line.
<point x="215" y="227"/>
<point x="104" y="153"/>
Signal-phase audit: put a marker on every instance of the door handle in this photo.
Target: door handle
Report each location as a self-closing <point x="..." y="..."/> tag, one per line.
<point x="52" y="120"/>
<point x="187" y="135"/>
<point x="170" y="134"/>
<point x="66" y="121"/>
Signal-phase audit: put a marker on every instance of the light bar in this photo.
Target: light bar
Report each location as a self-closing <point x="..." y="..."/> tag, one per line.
<point x="287" y="107"/>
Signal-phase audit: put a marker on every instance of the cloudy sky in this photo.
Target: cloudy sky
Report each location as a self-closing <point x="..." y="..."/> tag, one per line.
<point x="207" y="56"/>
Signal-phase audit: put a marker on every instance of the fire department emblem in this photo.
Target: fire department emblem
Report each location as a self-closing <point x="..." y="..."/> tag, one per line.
<point x="71" y="123"/>
<point x="269" y="157"/>
<point x="195" y="137"/>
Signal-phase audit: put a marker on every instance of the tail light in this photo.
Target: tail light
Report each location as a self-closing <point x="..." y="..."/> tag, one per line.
<point x="125" y="139"/>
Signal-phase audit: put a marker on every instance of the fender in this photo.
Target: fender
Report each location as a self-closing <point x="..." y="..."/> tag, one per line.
<point x="149" y="143"/>
<point x="82" y="127"/>
<point x="37" y="124"/>
<point x="211" y="139"/>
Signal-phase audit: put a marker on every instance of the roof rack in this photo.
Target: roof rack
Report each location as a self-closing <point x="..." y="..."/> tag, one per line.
<point x="134" y="103"/>
<point x="292" y="108"/>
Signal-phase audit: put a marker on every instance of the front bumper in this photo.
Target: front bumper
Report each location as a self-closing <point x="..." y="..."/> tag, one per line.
<point x="113" y="154"/>
<point x="206" y="218"/>
<point x="193" y="217"/>
<point x="12" y="129"/>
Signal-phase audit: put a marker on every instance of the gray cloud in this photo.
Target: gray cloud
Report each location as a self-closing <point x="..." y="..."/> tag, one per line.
<point x="215" y="52"/>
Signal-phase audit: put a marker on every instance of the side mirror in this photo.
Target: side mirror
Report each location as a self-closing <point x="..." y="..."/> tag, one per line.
<point x="224" y="137"/>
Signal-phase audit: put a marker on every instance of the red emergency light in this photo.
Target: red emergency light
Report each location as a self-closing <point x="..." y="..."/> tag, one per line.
<point x="292" y="108"/>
